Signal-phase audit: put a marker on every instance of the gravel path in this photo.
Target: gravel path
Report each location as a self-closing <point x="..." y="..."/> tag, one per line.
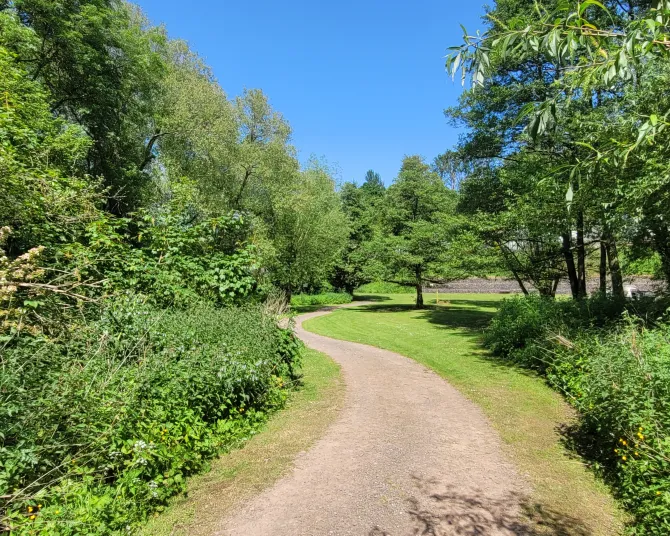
<point x="409" y="455"/>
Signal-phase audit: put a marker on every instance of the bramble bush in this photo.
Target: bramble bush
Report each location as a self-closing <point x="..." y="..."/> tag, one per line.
<point x="611" y="359"/>
<point x="100" y="427"/>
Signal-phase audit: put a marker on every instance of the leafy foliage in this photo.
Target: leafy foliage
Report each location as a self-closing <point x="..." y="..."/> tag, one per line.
<point x="614" y="369"/>
<point x="382" y="287"/>
<point x="100" y="427"/>
<point x="411" y="245"/>
<point x="143" y="218"/>
<point x="582" y="85"/>
<point x="326" y="298"/>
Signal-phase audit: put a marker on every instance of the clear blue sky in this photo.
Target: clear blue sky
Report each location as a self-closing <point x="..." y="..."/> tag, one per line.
<point x="362" y="83"/>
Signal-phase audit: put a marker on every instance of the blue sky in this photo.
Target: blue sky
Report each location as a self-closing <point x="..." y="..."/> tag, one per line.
<point x="362" y="83"/>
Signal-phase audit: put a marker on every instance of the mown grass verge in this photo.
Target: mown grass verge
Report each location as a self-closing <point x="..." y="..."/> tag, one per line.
<point x="266" y="457"/>
<point x="567" y="499"/>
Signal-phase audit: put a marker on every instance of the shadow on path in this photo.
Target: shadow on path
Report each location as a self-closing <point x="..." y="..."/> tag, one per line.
<point x="456" y="513"/>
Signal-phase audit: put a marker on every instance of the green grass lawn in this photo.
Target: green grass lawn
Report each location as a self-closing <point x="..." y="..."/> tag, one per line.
<point x="567" y="499"/>
<point x="265" y="458"/>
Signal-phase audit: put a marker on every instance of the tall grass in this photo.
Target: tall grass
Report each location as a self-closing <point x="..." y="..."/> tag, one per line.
<point x="611" y="360"/>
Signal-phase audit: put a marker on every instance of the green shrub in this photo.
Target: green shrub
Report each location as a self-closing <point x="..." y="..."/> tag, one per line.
<point x="650" y="265"/>
<point x="382" y="287"/>
<point x="612" y="362"/>
<point x="326" y="298"/>
<point x="99" y="428"/>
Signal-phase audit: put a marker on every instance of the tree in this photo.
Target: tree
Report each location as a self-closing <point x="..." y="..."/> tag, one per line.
<point x="373" y="185"/>
<point x="606" y="100"/>
<point x="102" y="65"/>
<point x="451" y="167"/>
<point x="307" y="233"/>
<point x="44" y="199"/>
<point x="412" y="245"/>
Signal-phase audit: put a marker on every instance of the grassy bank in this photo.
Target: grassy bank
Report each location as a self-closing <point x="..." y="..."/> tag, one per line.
<point x="264" y="459"/>
<point x="566" y="498"/>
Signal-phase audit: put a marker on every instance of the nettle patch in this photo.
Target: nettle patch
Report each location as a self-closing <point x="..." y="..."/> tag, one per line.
<point x="98" y="429"/>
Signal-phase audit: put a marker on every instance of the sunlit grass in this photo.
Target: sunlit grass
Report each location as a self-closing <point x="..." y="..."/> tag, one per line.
<point x="522" y="408"/>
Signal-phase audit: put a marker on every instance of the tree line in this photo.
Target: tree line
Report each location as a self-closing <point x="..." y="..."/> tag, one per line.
<point x="564" y="140"/>
<point x="117" y="140"/>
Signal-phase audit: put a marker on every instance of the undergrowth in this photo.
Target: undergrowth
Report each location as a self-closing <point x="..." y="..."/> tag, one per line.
<point x="611" y="359"/>
<point x="382" y="287"/>
<point x="326" y="298"/>
<point x="99" y="427"/>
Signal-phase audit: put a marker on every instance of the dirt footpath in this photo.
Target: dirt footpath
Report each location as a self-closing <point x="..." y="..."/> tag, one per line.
<point x="409" y="455"/>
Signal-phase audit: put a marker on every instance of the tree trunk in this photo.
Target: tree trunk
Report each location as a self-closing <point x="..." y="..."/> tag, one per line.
<point x="419" y="296"/>
<point x="506" y="256"/>
<point x="419" y="288"/>
<point x="581" y="255"/>
<point x="615" y="269"/>
<point x="520" y="282"/>
<point x="662" y="247"/>
<point x="570" y="265"/>
<point x="603" y="266"/>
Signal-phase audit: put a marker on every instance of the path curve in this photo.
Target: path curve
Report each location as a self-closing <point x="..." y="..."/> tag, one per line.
<point x="408" y="455"/>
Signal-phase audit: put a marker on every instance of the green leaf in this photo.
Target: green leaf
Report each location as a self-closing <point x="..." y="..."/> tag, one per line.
<point x="588" y="3"/>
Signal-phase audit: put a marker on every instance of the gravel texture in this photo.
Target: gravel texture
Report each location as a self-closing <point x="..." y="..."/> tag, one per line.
<point x="409" y="455"/>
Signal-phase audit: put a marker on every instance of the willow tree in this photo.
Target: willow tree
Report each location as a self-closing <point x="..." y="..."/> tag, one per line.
<point x="607" y="94"/>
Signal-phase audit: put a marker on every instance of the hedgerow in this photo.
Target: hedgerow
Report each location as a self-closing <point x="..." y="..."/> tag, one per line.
<point x="381" y="287"/>
<point x="611" y="360"/>
<point x="100" y="427"/>
<point x="325" y="298"/>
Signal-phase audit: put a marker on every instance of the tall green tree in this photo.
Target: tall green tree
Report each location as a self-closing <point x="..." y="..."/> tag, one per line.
<point x="45" y="199"/>
<point x="102" y="65"/>
<point x="307" y="233"/>
<point x="373" y="185"/>
<point x="362" y="206"/>
<point x="411" y="246"/>
<point x="604" y="54"/>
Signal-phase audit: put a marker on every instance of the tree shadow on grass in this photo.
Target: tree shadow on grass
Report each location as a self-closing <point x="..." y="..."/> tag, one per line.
<point x="464" y="315"/>
<point x="467" y="513"/>
<point x="458" y="316"/>
<point x="486" y="304"/>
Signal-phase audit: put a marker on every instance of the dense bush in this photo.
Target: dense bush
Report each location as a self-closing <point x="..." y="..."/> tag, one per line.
<point x="611" y="359"/>
<point x="176" y="257"/>
<point x="325" y="298"/>
<point x="381" y="287"/>
<point x="100" y="427"/>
